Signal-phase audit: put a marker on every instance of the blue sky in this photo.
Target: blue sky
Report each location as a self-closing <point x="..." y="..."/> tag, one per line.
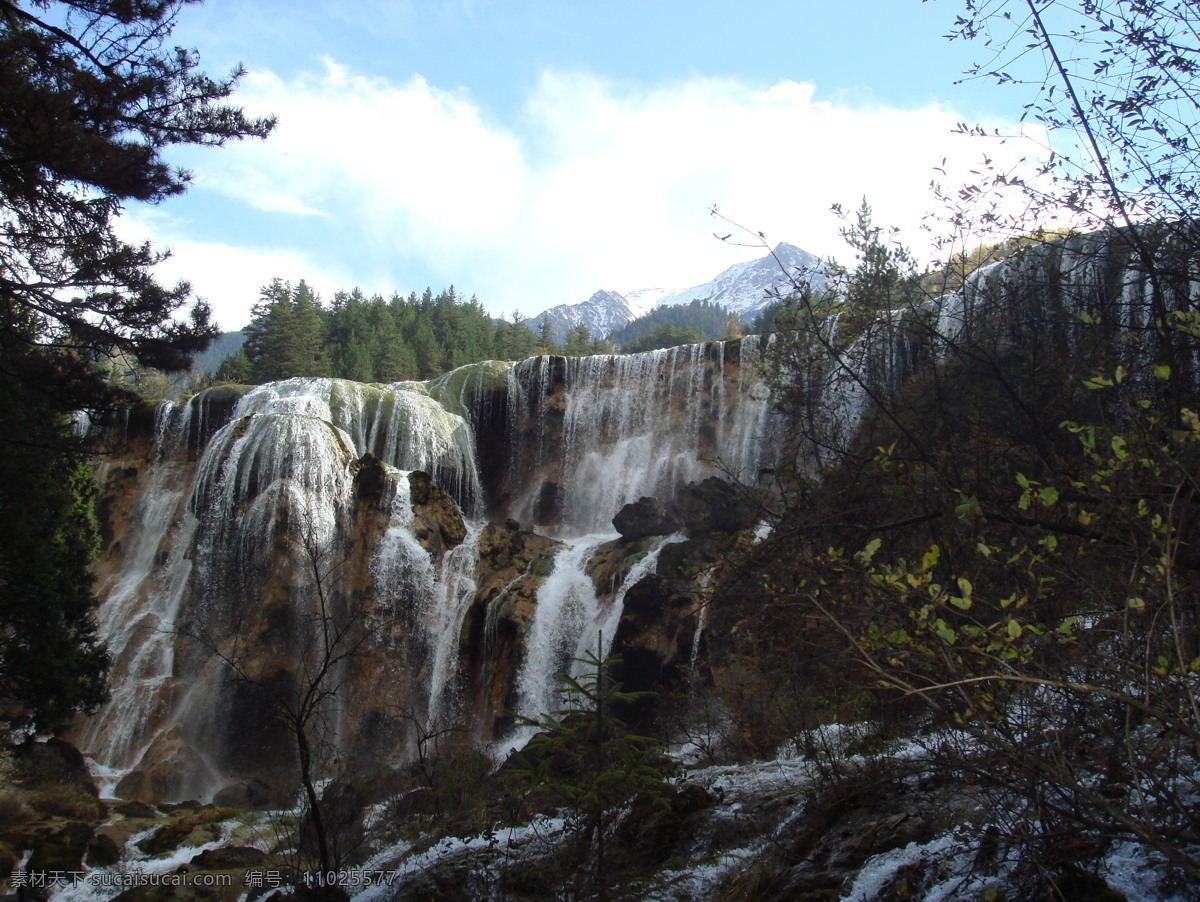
<point x="531" y="152"/>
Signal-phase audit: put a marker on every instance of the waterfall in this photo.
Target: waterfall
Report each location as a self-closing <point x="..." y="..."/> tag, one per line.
<point x="636" y="425"/>
<point x="444" y="616"/>
<point x="402" y="570"/>
<point x="570" y="615"/>
<point x="246" y="490"/>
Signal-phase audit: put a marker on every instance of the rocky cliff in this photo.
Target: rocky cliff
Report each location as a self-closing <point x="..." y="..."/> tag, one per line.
<point x="397" y="558"/>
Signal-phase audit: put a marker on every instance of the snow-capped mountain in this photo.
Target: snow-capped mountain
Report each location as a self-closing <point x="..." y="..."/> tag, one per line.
<point x="603" y="312"/>
<point x="743" y="287"/>
<point x="643" y="300"/>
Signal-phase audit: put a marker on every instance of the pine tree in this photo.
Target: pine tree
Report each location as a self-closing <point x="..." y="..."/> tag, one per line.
<point x="309" y="356"/>
<point x="93" y="95"/>
<point x="579" y="341"/>
<point x="235" y="368"/>
<point x="546" y="335"/>
<point x="589" y="761"/>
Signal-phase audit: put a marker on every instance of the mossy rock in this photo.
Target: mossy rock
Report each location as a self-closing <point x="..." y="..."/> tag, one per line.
<point x="135" y="809"/>
<point x="63" y="849"/>
<point x="61" y="800"/>
<point x="191" y="829"/>
<point x="102" y="850"/>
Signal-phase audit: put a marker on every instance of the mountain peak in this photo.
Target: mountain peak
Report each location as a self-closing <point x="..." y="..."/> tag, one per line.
<point x="743" y="288"/>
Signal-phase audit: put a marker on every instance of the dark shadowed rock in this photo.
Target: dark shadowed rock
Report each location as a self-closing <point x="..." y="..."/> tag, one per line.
<point x="228" y="858"/>
<point x="253" y="794"/>
<point x="715" y="505"/>
<point x="644" y="517"/>
<point x="438" y="523"/>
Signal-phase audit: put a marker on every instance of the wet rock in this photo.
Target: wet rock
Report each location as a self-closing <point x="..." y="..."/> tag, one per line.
<point x="370" y="478"/>
<point x="197" y="828"/>
<point x="253" y="794"/>
<point x="62" y="849"/>
<point x="228" y="858"/>
<point x="711" y="506"/>
<point x="135" y="809"/>
<point x="645" y="517"/>
<point x="57" y="761"/>
<point x="438" y="523"/>
<point x="715" y="505"/>
<point x="102" y="850"/>
<point x="175" y="771"/>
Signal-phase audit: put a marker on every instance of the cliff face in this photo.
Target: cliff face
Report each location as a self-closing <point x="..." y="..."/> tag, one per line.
<point x="380" y="561"/>
<point x="391" y="561"/>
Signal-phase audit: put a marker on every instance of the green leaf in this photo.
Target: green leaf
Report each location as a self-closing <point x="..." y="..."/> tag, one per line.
<point x="1014" y="629"/>
<point x="930" y="559"/>
<point x="1048" y="495"/>
<point x="869" y="550"/>
<point x="969" y="507"/>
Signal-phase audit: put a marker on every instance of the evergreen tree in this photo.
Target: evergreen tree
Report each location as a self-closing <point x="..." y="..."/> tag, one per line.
<point x="393" y="358"/>
<point x="93" y="96"/>
<point x="309" y="356"/>
<point x="546" y="335"/>
<point x="271" y="336"/>
<point x="665" y="335"/>
<point x="579" y="341"/>
<point x="51" y="661"/>
<point x="235" y="368"/>
<point x="426" y="350"/>
<point x="590" y="762"/>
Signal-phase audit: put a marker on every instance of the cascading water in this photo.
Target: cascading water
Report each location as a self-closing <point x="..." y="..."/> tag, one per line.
<point x="572" y="621"/>
<point x="638" y="425"/>
<point x="244" y="484"/>
<point x="137" y="619"/>
<point x="444" y="617"/>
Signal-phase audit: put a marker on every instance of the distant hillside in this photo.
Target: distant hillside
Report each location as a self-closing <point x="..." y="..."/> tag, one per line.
<point x="603" y="312"/>
<point x="222" y="346"/>
<point x="743" y="288"/>
<point x="706" y="321"/>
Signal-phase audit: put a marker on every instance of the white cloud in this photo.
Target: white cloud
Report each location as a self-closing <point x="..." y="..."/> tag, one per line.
<point x="228" y="278"/>
<point x="597" y="185"/>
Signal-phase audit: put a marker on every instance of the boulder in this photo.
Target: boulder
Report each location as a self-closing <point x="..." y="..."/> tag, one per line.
<point x="438" y="523"/>
<point x="253" y="794"/>
<point x="714" y="505"/>
<point x="645" y="517"/>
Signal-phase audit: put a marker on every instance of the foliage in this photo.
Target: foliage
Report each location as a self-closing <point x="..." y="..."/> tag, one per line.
<point x="1058" y="627"/>
<point x="292" y="333"/>
<point x="677" y="324"/>
<point x="580" y="343"/>
<point x="92" y="99"/>
<point x="90" y="107"/>
<point x="51" y="662"/>
<point x="588" y="762"/>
